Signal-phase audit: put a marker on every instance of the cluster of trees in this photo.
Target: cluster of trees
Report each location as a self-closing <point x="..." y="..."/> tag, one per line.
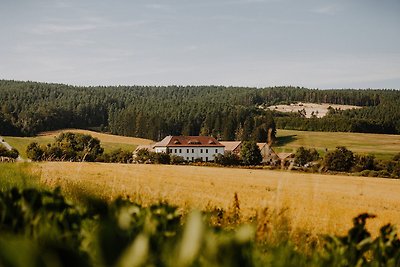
<point x="76" y="147"/>
<point x="4" y="152"/>
<point x="156" y="111"/>
<point x="67" y="147"/>
<point x="342" y="159"/>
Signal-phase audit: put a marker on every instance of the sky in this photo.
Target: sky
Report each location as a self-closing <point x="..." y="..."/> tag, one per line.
<point x="256" y="43"/>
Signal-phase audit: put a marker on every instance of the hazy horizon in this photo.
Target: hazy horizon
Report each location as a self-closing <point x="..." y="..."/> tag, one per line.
<point x="251" y="43"/>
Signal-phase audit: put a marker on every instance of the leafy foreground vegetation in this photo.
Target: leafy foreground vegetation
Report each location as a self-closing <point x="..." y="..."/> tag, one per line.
<point x="40" y="227"/>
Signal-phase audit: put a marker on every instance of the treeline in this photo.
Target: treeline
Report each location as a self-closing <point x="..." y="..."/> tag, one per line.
<point x="338" y="124"/>
<point x="228" y="113"/>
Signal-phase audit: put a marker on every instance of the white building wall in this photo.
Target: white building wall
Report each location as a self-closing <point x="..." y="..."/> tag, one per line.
<point x="192" y="153"/>
<point x="160" y="150"/>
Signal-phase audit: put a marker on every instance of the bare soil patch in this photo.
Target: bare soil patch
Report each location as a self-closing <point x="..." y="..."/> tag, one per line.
<point x="319" y="110"/>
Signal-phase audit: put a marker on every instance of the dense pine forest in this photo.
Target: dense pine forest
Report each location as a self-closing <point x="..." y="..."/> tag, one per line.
<point x="229" y="113"/>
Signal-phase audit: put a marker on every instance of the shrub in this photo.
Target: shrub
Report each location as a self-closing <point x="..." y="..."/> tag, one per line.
<point x="341" y="159"/>
<point x="4" y="152"/>
<point x="176" y="160"/>
<point x="304" y="156"/>
<point x="142" y="155"/>
<point x="118" y="156"/>
<point x="227" y="159"/>
<point x="34" y="152"/>
<point x="160" y="158"/>
<point x="364" y="162"/>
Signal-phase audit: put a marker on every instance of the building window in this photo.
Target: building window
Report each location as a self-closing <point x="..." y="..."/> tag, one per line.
<point x="201" y="150"/>
<point x="192" y="150"/>
<point x="206" y="150"/>
<point x="206" y="158"/>
<point x="216" y="151"/>
<point x="192" y="158"/>
<point x="187" y="150"/>
<point x="201" y="158"/>
<point x="180" y="150"/>
<point x="176" y="150"/>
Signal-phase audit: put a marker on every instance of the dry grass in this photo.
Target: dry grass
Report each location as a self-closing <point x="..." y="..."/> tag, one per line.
<point x="316" y="203"/>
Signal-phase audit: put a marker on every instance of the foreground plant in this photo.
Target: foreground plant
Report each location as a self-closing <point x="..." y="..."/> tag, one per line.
<point x="41" y="228"/>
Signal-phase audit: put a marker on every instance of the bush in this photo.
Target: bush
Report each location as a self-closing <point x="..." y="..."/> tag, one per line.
<point x="142" y="155"/>
<point x="341" y="159"/>
<point x="227" y="159"/>
<point x="304" y="156"/>
<point x="176" y="160"/>
<point x="4" y="152"/>
<point x="34" y="152"/>
<point x="118" y="156"/>
<point x="364" y="162"/>
<point x="160" y="158"/>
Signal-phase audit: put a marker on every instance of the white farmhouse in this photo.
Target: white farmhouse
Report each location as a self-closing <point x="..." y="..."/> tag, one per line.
<point x="190" y="147"/>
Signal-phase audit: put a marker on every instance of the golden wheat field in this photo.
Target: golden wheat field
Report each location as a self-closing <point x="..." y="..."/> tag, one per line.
<point x="316" y="203"/>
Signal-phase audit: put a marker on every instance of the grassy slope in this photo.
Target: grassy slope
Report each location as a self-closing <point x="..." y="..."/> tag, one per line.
<point x="108" y="141"/>
<point x="317" y="203"/>
<point x="383" y="146"/>
<point x="19" y="175"/>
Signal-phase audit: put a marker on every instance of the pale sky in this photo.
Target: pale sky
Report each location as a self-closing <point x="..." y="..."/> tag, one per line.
<point x="310" y="43"/>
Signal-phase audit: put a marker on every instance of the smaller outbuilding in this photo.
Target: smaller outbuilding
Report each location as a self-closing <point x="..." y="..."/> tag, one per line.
<point x="232" y="146"/>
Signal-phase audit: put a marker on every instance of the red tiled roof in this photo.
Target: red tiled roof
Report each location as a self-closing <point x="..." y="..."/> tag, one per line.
<point x="179" y="141"/>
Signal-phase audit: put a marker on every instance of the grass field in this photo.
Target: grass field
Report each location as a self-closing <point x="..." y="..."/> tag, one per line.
<point x="109" y="142"/>
<point x="383" y="146"/>
<point x="316" y="203"/>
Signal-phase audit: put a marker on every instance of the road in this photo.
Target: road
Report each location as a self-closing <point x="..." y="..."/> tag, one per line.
<point x="7" y="145"/>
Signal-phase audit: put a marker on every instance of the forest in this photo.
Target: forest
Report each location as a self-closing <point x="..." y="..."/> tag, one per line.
<point x="229" y="113"/>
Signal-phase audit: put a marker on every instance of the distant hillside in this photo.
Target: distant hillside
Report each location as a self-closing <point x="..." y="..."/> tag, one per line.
<point x="103" y="137"/>
<point x="27" y="108"/>
<point x="108" y="142"/>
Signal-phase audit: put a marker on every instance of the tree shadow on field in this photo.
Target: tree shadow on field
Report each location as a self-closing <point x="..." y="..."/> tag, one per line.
<point x="284" y="140"/>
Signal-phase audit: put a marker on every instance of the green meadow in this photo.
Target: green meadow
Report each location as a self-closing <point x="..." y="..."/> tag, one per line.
<point x="383" y="146"/>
